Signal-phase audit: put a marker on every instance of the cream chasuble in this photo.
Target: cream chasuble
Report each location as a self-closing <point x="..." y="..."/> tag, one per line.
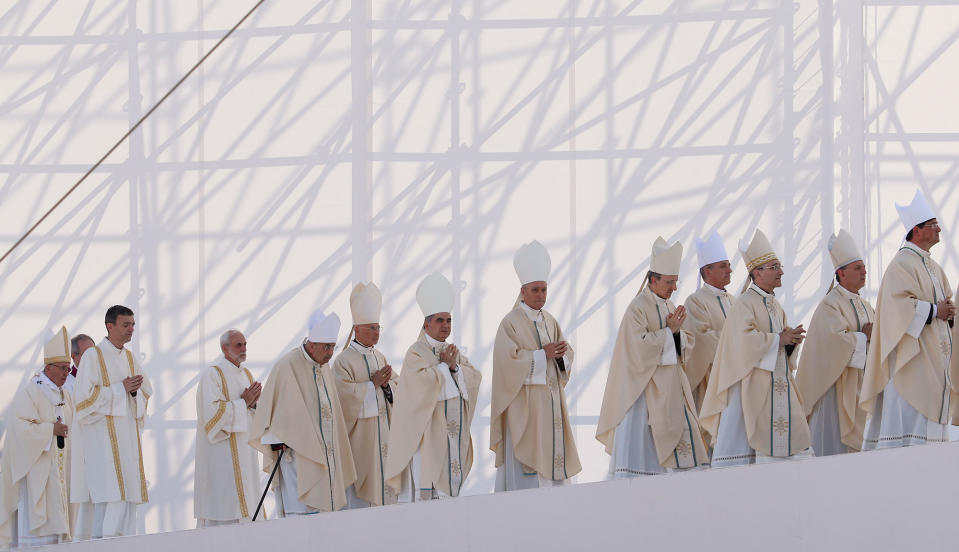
<point x="706" y="311"/>
<point x="432" y="418"/>
<point x="529" y="402"/>
<point x="646" y="364"/>
<point x="35" y="478"/>
<point x="108" y="464"/>
<point x="367" y="414"/>
<point x="299" y="407"/>
<point x="749" y="354"/>
<point x="909" y="367"/>
<point x="227" y="472"/>
<point x="833" y="359"/>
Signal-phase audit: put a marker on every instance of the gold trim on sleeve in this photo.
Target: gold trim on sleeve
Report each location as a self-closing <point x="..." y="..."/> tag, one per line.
<point x="89" y="402"/>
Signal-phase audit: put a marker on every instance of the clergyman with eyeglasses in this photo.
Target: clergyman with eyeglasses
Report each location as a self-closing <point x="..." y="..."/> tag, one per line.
<point x="908" y="387"/>
<point x="752" y="409"/>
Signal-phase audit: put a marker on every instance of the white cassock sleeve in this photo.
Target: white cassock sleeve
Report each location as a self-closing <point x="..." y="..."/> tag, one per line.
<point x="537" y="373"/>
<point x="859" y="355"/>
<point x="238" y="422"/>
<point x="118" y="400"/>
<point x="450" y="391"/>
<point x="370" y="408"/>
<point x="768" y="362"/>
<point x="668" y="357"/>
<point x="919" y="319"/>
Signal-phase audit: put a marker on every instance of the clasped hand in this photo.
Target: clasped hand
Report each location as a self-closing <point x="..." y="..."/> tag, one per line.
<point x="792" y="336"/>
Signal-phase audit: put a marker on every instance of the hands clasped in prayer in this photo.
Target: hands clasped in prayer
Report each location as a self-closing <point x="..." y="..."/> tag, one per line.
<point x="555" y="350"/>
<point x="674" y="320"/>
<point x="132" y="383"/>
<point x="945" y="310"/>
<point x="382" y="376"/>
<point x="792" y="336"/>
<point x="449" y="356"/>
<point x="252" y="394"/>
<point x="867" y="329"/>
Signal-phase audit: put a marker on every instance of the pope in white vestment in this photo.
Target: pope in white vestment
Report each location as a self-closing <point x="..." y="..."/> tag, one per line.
<point x="34" y="483"/>
<point x="111" y="404"/>
<point x="227" y="474"/>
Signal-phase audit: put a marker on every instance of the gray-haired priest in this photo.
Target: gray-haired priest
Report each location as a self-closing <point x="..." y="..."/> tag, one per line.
<point x="111" y="399"/>
<point x="35" y="478"/>
<point x="911" y="373"/>
<point x="706" y="312"/>
<point x="648" y="418"/>
<point x="751" y="408"/>
<point x="227" y="472"/>
<point x="530" y="430"/>
<point x="366" y="385"/>
<point x="830" y="370"/>
<point x="435" y="401"/>
<point x="299" y="422"/>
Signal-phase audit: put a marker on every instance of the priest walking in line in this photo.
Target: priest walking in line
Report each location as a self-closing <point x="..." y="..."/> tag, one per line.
<point x="909" y="385"/>
<point x="751" y="408"/>
<point x="435" y="402"/>
<point x="706" y="312"/>
<point x="830" y="370"/>
<point x="366" y="384"/>
<point x="112" y="395"/>
<point x="299" y="423"/>
<point x="227" y="472"/>
<point x="530" y="431"/>
<point x="648" y="418"/>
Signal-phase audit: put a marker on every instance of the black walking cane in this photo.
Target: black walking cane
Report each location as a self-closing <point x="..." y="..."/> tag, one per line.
<point x="269" y="481"/>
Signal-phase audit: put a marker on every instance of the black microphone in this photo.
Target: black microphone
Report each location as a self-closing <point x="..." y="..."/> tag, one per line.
<point x="60" y="441"/>
<point x="133" y="393"/>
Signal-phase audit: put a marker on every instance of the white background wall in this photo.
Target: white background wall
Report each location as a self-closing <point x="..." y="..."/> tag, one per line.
<point x="333" y="141"/>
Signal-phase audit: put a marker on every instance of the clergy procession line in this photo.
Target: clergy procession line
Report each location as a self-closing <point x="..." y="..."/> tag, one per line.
<point x="715" y="382"/>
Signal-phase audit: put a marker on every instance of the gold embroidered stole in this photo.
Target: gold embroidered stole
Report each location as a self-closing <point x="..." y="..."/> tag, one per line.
<point x="112" y="430"/>
<point x="234" y="449"/>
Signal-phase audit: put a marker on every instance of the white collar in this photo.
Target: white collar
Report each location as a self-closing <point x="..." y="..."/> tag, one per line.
<point x="302" y="350"/>
<point x="224" y="362"/>
<point x="846" y="292"/>
<point x="532" y="313"/>
<point x="913" y="247"/>
<point x="45" y="380"/>
<point x="715" y="290"/>
<point x="760" y="291"/>
<point x="655" y="296"/>
<point x="360" y="348"/>
<point x="107" y="346"/>
<point x="432" y="341"/>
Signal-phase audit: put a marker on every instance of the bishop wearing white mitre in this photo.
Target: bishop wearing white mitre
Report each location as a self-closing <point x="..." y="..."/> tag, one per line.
<point x="435" y="402"/>
<point x="648" y="418"/>
<point x="530" y="431"/>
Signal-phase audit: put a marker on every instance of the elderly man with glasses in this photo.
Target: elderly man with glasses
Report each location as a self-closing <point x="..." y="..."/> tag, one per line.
<point x="35" y="481"/>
